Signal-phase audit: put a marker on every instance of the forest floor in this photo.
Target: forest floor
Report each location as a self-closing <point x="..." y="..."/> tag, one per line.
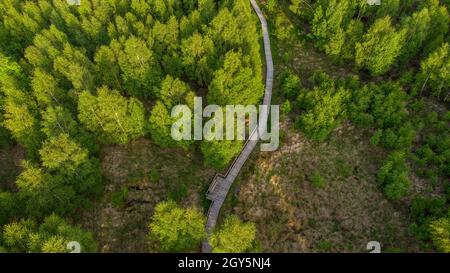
<point x="137" y="177"/>
<point x="316" y="196"/>
<point x="10" y="166"/>
<point x="319" y="197"/>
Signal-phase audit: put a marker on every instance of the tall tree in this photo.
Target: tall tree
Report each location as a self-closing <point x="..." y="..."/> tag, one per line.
<point x="418" y="27"/>
<point x="52" y="236"/>
<point x="113" y="118"/>
<point x="21" y="20"/>
<point x="58" y="120"/>
<point x="76" y="67"/>
<point x="219" y="153"/>
<point x="175" y="228"/>
<point x="175" y="92"/>
<point x="223" y="31"/>
<point x="47" y="46"/>
<point x="24" y="126"/>
<point x="46" y="89"/>
<point x="63" y="154"/>
<point x="198" y="57"/>
<point x="440" y="21"/>
<point x="380" y="47"/>
<point x="329" y="23"/>
<point x="139" y="69"/>
<point x="435" y="72"/>
<point x="67" y="178"/>
<point x="107" y="67"/>
<point x="18" y="113"/>
<point x="322" y="108"/>
<point x="233" y="236"/>
<point x="167" y="44"/>
<point x="234" y="83"/>
<point x="160" y="124"/>
<point x="9" y="207"/>
<point x="43" y="193"/>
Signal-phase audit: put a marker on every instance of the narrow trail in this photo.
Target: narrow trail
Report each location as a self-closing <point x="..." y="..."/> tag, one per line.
<point x="221" y="184"/>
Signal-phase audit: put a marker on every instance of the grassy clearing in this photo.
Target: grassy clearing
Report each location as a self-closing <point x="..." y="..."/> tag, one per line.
<point x="278" y="192"/>
<point x="138" y="176"/>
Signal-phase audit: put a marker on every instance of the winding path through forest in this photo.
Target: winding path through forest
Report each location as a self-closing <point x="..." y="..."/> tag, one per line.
<point x="221" y="184"/>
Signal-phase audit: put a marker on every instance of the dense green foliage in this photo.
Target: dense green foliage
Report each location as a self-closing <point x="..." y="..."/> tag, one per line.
<point x="67" y="178"/>
<point x="383" y="38"/>
<point x="425" y="23"/>
<point x="393" y="176"/>
<point x="76" y="78"/>
<point x="440" y="233"/>
<point x="218" y="153"/>
<point x="235" y="84"/>
<point x="113" y="118"/>
<point x="379" y="47"/>
<point x="233" y="236"/>
<point x="435" y="72"/>
<point x="176" y="229"/>
<point x="430" y="215"/>
<point x="52" y="236"/>
<point x="322" y="107"/>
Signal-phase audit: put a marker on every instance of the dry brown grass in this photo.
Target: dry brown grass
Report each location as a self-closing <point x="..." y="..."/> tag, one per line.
<point x="151" y="175"/>
<point x="292" y="215"/>
<point x="10" y="166"/>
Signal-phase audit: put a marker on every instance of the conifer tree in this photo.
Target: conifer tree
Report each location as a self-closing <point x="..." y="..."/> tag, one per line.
<point x="380" y="47"/>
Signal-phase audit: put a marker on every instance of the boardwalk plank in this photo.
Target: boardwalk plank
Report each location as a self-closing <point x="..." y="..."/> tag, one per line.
<point x="220" y="186"/>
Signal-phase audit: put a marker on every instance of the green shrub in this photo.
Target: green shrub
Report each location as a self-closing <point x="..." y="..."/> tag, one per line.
<point x="286" y="107"/>
<point x="317" y="180"/>
<point x="393" y="176"/>
<point x="423" y="212"/>
<point x="344" y="169"/>
<point x="325" y="246"/>
<point x="290" y="84"/>
<point x="154" y="175"/>
<point x="323" y="108"/>
<point x="178" y="192"/>
<point x="376" y="138"/>
<point x="119" y="198"/>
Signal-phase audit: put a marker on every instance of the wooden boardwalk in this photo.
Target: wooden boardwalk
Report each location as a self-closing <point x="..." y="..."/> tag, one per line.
<point x="221" y="184"/>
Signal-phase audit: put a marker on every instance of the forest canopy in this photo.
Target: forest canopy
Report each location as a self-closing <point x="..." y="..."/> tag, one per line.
<point x="76" y="78"/>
